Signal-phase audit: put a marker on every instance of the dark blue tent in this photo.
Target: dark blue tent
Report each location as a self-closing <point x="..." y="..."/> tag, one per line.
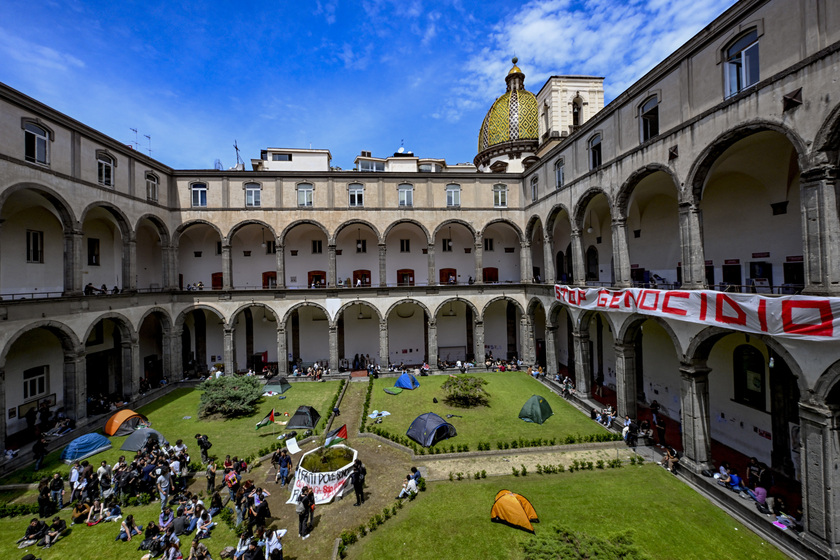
<point x="407" y="381"/>
<point x="429" y="428"/>
<point x="85" y="446"/>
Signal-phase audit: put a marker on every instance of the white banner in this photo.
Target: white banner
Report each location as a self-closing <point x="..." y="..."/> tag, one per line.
<point x="326" y="485"/>
<point x="802" y="317"/>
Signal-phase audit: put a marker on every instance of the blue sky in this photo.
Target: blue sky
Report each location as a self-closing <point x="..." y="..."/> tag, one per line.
<point x="345" y="76"/>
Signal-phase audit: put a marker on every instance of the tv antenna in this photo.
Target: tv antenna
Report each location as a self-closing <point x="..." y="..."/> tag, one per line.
<point x="217" y="165"/>
<point x="238" y="159"/>
<point x="149" y="138"/>
<point x="134" y="144"/>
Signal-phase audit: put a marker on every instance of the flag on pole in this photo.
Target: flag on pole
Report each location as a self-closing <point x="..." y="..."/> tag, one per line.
<point x="269" y="419"/>
<point x="336" y="436"/>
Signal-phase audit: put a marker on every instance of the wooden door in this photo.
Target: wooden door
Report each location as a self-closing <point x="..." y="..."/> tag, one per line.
<point x="448" y="276"/>
<point x="405" y="277"/>
<point x="216" y="281"/>
<point x="490" y="274"/>
<point x="317" y="279"/>
<point x="364" y="276"/>
<point x="269" y="280"/>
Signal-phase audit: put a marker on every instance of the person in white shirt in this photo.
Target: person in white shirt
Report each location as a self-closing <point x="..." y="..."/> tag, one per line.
<point x="273" y="546"/>
<point x="409" y="487"/>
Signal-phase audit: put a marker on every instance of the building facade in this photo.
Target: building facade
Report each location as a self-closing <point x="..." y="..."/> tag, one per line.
<point x="716" y="170"/>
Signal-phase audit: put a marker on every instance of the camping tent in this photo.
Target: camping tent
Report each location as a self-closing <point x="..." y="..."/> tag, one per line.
<point x="407" y="381"/>
<point x="536" y="410"/>
<point x="279" y="385"/>
<point x="124" y="422"/>
<point x="513" y="509"/>
<point x="85" y="446"/>
<point x="305" y="418"/>
<point x="137" y="440"/>
<point x="429" y="428"/>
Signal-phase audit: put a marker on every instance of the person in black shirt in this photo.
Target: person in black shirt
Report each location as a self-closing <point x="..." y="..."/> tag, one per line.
<point x="58" y="526"/>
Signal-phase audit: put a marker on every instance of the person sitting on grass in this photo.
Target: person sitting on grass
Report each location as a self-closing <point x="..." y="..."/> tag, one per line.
<point x="205" y="524"/>
<point x="670" y="459"/>
<point x="128" y="529"/>
<point x="80" y="512"/>
<point x="198" y="551"/>
<point x="54" y="532"/>
<point x="215" y="504"/>
<point x="409" y="487"/>
<point x="166" y="518"/>
<point x="96" y="513"/>
<point x="242" y="545"/>
<point x="113" y="511"/>
<point x="35" y="531"/>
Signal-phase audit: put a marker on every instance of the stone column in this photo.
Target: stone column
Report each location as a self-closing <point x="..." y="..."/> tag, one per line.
<point x="625" y="379"/>
<point x="551" y="350"/>
<point x="548" y="260"/>
<point x="131" y="368"/>
<point x="129" y="266"/>
<point x="383" y="345"/>
<point x="331" y="266"/>
<point x="578" y="266"/>
<point x="227" y="268"/>
<point x="526" y="340"/>
<point x="583" y="378"/>
<point x="173" y="354"/>
<point x="169" y="266"/>
<point x="621" y="253"/>
<point x="433" y="343"/>
<point x="820" y="230"/>
<point x="282" y="350"/>
<point x="230" y="351"/>
<point x="479" y="261"/>
<point x="691" y="248"/>
<point x="525" y="268"/>
<point x="3" y="433"/>
<point x="383" y="269"/>
<point x="281" y="267"/>
<point x="696" y="423"/>
<point x="431" y="259"/>
<point x="820" y="436"/>
<point x="75" y="385"/>
<point x="73" y="263"/>
<point x="333" y="342"/>
<point x="478" y="340"/>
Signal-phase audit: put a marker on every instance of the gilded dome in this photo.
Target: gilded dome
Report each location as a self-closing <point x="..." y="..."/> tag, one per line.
<point x="513" y="116"/>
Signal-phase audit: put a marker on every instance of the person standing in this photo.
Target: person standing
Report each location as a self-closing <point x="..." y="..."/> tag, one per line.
<point x="305" y="504"/>
<point x="659" y="424"/>
<point x="211" y="477"/>
<point x="205" y="445"/>
<point x="358" y="479"/>
<point x="57" y="490"/>
<point x="163" y="484"/>
<point x="40" y="451"/>
<point x="284" y="465"/>
<point x="273" y="546"/>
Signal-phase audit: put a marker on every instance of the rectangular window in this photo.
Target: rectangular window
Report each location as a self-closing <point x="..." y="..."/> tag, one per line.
<point x="406" y="197"/>
<point x="357" y="196"/>
<point x="361" y="246"/>
<point x="35" y="382"/>
<point x="304" y="193"/>
<point x="281" y="157"/>
<point x="34" y="246"/>
<point x="199" y="195"/>
<point x="559" y="174"/>
<point x="405" y="245"/>
<point x="317" y="247"/>
<point x="252" y="195"/>
<point x="649" y="118"/>
<point x="500" y="197"/>
<point x="105" y="167"/>
<point x="488" y="243"/>
<point x="151" y="187"/>
<point x="447" y="245"/>
<point x="270" y="247"/>
<point x="371" y="166"/>
<point x="595" y="152"/>
<point x="218" y="247"/>
<point x="741" y="64"/>
<point x="453" y="196"/>
<point x="535" y="188"/>
<point x="93" y="251"/>
<point x="35" y="143"/>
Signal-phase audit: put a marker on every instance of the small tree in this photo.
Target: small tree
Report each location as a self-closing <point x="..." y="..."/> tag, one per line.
<point x="229" y="396"/>
<point x="465" y="391"/>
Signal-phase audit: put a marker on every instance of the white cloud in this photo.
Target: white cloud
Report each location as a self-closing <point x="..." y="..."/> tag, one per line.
<point x="34" y="54"/>
<point x="327" y="9"/>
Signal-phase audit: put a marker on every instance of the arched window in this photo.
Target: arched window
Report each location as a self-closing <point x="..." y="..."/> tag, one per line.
<point x="453" y="196"/>
<point x="748" y="373"/>
<point x="741" y="63"/>
<point x="500" y="196"/>
<point x="649" y="118"/>
<point x="595" y="152"/>
<point x="198" y="193"/>
<point x="35" y="143"/>
<point x="406" y="195"/>
<point x="592" y="272"/>
<point x="253" y="194"/>
<point x="305" y="193"/>
<point x="559" y="173"/>
<point x="577" y="111"/>
<point x="535" y="188"/>
<point x="152" y="185"/>
<point x="105" y="168"/>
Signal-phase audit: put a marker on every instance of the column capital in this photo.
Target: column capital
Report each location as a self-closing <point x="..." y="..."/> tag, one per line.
<point x="625" y="349"/>
<point x="331" y="247"/>
<point x="432" y="324"/>
<point x="818" y="173"/>
<point x="692" y="370"/>
<point x="619" y="221"/>
<point x="525" y="244"/>
<point x="575" y="232"/>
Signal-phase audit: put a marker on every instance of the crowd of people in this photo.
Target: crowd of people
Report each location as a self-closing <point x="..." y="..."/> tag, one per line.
<point x="91" y="290"/>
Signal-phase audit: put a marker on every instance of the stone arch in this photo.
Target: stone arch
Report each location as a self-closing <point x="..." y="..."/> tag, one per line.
<point x="289" y="311"/>
<point x="123" y="323"/>
<point x="702" y="165"/>
<point x="249" y="305"/>
<point x="531" y="225"/>
<point x="250" y="221"/>
<point x="458" y="221"/>
<point x="122" y="221"/>
<point x="632" y="324"/>
<point x="351" y="303"/>
<point x="186" y="225"/>
<point x="827" y="385"/>
<point x="501" y="298"/>
<point x="585" y="318"/>
<point x="408" y="300"/>
<point x="166" y="319"/>
<point x="702" y="343"/>
<point x="297" y="223"/>
<point x="468" y="303"/>
<point x="506" y="222"/>
<point x="182" y="316"/>
<point x="827" y="140"/>
<point x="355" y="221"/>
<point x="59" y="204"/>
<point x="533" y="303"/>
<point x="423" y="228"/>
<point x="583" y="203"/>
<point x="160" y="226"/>
<point x="70" y="342"/>
<point x="553" y="214"/>
<point x="553" y="313"/>
<point x="622" y="198"/>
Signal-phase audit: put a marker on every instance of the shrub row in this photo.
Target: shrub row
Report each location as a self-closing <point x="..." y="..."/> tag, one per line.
<point x="14" y="510"/>
<point x="366" y="407"/>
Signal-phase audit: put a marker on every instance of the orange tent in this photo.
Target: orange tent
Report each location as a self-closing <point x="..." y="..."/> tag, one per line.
<point x="515" y="510"/>
<point x="125" y="422"/>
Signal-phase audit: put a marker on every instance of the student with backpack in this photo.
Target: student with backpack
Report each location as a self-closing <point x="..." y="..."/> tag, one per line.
<point x="205" y="445"/>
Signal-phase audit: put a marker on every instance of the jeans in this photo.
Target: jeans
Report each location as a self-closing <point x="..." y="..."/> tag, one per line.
<point x="124" y="537"/>
<point x="112" y="518"/>
<point x="284" y="475"/>
<point x="58" y="497"/>
<point x="164" y="499"/>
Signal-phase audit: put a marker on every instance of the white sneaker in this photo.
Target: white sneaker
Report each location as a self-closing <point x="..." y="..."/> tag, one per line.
<point x="306" y="537"/>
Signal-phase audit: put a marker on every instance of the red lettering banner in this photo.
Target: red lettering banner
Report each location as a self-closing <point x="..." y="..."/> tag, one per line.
<point x="802" y="317"/>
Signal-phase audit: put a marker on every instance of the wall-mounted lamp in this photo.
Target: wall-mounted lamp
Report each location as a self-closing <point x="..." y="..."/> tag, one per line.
<point x="263" y="238"/>
<point x="451" y="312"/>
<point x="359" y="241"/>
<point x="589" y="228"/>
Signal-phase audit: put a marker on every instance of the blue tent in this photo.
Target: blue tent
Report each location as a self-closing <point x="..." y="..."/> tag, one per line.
<point x="429" y="428"/>
<point x="407" y="381"/>
<point x="85" y="446"/>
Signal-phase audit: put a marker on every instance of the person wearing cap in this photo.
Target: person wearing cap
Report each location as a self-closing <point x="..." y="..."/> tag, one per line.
<point x="255" y="552"/>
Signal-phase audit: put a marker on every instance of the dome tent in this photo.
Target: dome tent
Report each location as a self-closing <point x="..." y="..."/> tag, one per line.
<point x="429" y="428"/>
<point x="281" y="385"/>
<point x="536" y="410"/>
<point x="407" y="381"/>
<point x="515" y="510"/>
<point x="305" y="418"/>
<point x="125" y="422"/>
<point x="138" y="439"/>
<point x="84" y="447"/>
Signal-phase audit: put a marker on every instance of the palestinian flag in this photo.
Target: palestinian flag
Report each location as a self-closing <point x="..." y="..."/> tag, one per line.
<point x="269" y="419"/>
<point x="336" y="436"/>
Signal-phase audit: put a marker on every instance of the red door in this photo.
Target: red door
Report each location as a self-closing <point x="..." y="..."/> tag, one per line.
<point x="405" y="277"/>
<point x="269" y="280"/>
<point x="317" y="279"/>
<point x="448" y="276"/>
<point x="216" y="280"/>
<point x="490" y="274"/>
<point x="361" y="278"/>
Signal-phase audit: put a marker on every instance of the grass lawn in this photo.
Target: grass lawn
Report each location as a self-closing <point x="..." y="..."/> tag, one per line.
<point x="236" y="436"/>
<point x="497" y="422"/>
<point x="668" y="519"/>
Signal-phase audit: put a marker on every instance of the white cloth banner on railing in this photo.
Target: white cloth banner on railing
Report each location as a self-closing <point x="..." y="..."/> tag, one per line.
<point x="802" y="317"/>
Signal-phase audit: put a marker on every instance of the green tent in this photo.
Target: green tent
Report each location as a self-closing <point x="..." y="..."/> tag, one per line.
<point x="280" y="385"/>
<point x="536" y="410"/>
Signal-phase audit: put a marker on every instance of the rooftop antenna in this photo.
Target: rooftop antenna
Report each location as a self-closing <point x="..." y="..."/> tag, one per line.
<point x="217" y="165"/>
<point x="134" y="144"/>
<point x="150" y="144"/>
<point x="402" y="146"/>
<point x="238" y="159"/>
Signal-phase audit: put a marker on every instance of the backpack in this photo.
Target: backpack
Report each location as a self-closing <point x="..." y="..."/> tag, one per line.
<point x="300" y="508"/>
<point x="231" y="480"/>
<point x="227" y="552"/>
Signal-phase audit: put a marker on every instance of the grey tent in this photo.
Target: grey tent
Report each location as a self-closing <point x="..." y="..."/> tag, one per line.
<point x="305" y="418"/>
<point x="429" y="428"/>
<point x="536" y="410"/>
<point x="137" y="440"/>
<point x="280" y="385"/>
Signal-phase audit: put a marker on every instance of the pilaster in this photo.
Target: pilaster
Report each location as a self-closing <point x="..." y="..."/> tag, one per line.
<point x="75" y="385"/>
<point x="331" y="266"/>
<point x="333" y="342"/>
<point x="820" y="230"/>
<point x="551" y="365"/>
<point x="383" y="269"/>
<point x="548" y="260"/>
<point x="696" y="422"/>
<point x="281" y="267"/>
<point x="433" y="343"/>
<point x="578" y="268"/>
<point x="431" y="261"/>
<point x="526" y="271"/>
<point x="282" y="349"/>
<point x="691" y="247"/>
<point x="478" y="340"/>
<point x="583" y="359"/>
<point x="230" y="351"/>
<point x="129" y="267"/>
<point x="625" y="379"/>
<point x="478" y="249"/>
<point x="73" y="263"/>
<point x="227" y="268"/>
<point x="820" y="433"/>
<point x="383" y="344"/>
<point x="621" y="253"/>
